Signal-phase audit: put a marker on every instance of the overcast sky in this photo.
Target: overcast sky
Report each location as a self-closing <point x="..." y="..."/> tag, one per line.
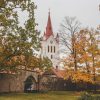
<point x="86" y="11"/>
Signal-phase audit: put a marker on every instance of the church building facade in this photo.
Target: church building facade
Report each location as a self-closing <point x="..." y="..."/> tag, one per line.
<point x="50" y="44"/>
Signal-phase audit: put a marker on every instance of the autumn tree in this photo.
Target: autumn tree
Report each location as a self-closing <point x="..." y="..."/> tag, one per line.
<point x="16" y="40"/>
<point x="94" y="51"/>
<point x="68" y="36"/>
<point x="88" y="47"/>
<point x="82" y="54"/>
<point x="88" y="53"/>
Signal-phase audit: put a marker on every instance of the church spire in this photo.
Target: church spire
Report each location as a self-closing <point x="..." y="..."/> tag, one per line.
<point x="49" y="30"/>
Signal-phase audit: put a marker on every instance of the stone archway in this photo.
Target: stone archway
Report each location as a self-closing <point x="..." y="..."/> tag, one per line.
<point x="30" y="84"/>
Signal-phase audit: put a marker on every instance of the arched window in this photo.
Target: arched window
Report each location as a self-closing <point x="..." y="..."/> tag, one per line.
<point x="51" y="49"/>
<point x="48" y="48"/>
<point x="51" y="56"/>
<point x="54" y="49"/>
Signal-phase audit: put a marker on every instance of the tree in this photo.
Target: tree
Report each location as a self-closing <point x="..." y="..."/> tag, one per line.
<point x="16" y="40"/>
<point x="88" y="53"/>
<point x="89" y="49"/>
<point x="93" y="50"/>
<point x="68" y="36"/>
<point x="42" y="64"/>
<point x="83" y="56"/>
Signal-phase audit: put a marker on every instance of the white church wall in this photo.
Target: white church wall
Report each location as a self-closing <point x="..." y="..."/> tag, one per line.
<point x="51" y="42"/>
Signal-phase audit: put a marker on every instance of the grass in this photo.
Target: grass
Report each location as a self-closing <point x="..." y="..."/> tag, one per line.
<point x="57" y="95"/>
<point x="41" y="96"/>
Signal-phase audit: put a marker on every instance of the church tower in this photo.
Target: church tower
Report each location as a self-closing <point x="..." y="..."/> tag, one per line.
<point x="50" y="44"/>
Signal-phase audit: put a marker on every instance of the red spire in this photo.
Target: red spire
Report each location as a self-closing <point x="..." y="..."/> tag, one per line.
<point x="49" y="30"/>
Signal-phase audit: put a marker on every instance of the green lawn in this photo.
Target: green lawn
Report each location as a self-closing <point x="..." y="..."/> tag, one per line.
<point x="41" y="96"/>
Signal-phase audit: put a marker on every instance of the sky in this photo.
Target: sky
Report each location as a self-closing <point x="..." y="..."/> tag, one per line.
<point x="86" y="11"/>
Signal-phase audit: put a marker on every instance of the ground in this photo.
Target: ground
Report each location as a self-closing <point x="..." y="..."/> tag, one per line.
<point x="57" y="95"/>
<point x="41" y="96"/>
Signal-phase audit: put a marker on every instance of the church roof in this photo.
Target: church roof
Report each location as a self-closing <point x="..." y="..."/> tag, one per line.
<point x="49" y="30"/>
<point x="57" y="72"/>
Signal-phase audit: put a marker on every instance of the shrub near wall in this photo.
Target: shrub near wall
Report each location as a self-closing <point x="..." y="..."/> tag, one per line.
<point x="87" y="96"/>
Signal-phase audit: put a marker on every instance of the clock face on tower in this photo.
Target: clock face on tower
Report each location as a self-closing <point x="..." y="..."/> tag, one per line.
<point x="51" y="41"/>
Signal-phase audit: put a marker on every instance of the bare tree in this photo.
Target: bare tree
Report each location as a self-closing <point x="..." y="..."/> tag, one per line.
<point x="68" y="36"/>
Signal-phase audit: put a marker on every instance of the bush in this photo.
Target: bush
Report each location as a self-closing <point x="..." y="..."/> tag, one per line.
<point x="87" y="96"/>
<point x="96" y="98"/>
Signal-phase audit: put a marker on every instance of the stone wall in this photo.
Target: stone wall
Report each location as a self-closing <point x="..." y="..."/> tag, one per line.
<point x="14" y="83"/>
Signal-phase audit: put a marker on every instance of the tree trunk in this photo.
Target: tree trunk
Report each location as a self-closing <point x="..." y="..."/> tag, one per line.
<point x="94" y="74"/>
<point x="38" y="83"/>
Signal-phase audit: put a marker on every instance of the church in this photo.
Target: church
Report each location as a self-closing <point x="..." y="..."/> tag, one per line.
<point x="50" y="44"/>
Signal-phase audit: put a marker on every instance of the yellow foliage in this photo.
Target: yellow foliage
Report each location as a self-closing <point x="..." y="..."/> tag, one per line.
<point x="79" y="76"/>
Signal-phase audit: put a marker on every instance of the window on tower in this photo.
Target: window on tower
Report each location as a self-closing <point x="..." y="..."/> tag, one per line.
<point x="51" y="49"/>
<point x="48" y="48"/>
<point x="54" y="49"/>
<point x="51" y="56"/>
